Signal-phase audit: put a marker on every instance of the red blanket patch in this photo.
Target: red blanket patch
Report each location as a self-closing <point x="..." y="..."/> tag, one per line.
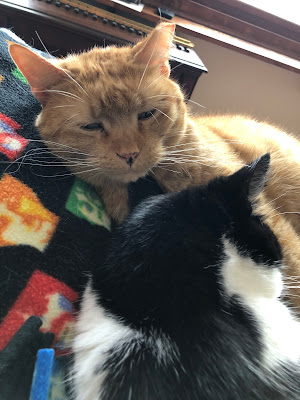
<point x="11" y="144"/>
<point x="47" y="298"/>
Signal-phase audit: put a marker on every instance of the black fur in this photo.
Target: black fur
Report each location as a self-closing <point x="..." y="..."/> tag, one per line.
<point x="162" y="278"/>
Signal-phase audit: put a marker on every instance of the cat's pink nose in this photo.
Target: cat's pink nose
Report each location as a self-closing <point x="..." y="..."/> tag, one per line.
<point x="129" y="157"/>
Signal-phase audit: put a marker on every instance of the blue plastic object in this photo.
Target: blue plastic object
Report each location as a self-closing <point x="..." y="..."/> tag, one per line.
<point x="41" y="376"/>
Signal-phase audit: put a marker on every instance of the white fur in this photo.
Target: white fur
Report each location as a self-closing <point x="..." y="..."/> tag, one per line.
<point x="259" y="288"/>
<point x="98" y="334"/>
<point x="138" y="216"/>
<point x="95" y="334"/>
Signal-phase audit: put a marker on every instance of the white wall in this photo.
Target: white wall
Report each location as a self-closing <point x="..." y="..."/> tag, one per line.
<point x="237" y="83"/>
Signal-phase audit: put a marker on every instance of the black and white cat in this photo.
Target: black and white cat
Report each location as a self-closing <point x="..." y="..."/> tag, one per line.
<point x="188" y="304"/>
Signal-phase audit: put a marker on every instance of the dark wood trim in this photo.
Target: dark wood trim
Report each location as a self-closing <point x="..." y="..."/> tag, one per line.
<point x="239" y="20"/>
<point x="284" y="51"/>
<point x="230" y="8"/>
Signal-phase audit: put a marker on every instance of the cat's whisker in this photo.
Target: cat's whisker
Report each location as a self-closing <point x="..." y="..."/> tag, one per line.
<point x="289" y="212"/>
<point x="154" y="117"/>
<point x="182" y="155"/>
<point x="287" y="240"/>
<point x="36" y="157"/>
<point x="201" y="144"/>
<point x="276" y="198"/>
<point x="205" y="141"/>
<point x="182" y="144"/>
<point x="195" y="102"/>
<point x="152" y="172"/>
<point x="147" y="65"/>
<point x="187" y="172"/>
<point x="45" y="48"/>
<point x="188" y="158"/>
<point x="185" y="162"/>
<point x="186" y="148"/>
<point x="65" y="105"/>
<point x="167" y="169"/>
<point x="21" y="158"/>
<point x="68" y="119"/>
<point x="62" y="92"/>
<point x="68" y="174"/>
<point x="58" y="159"/>
<point x="50" y="163"/>
<point x="292" y="287"/>
<point x="174" y="163"/>
<point x="94" y="176"/>
<point x="292" y="277"/>
<point x="75" y="81"/>
<point x="39" y="164"/>
<point x="164" y="114"/>
<point x="178" y="97"/>
<point x="69" y="148"/>
<point x="194" y="159"/>
<point x="65" y="154"/>
<point x="269" y="213"/>
<point x="295" y="281"/>
<point x="47" y="163"/>
<point x="181" y="151"/>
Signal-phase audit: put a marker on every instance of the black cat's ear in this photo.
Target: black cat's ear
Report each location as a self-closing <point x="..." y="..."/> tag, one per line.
<point x="252" y="178"/>
<point x="258" y="170"/>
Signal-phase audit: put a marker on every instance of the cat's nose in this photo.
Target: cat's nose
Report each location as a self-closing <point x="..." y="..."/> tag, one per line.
<point x="129" y="157"/>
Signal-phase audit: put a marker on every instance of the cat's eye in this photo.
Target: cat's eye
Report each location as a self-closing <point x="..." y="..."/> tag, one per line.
<point x="146" y="114"/>
<point x="94" y="127"/>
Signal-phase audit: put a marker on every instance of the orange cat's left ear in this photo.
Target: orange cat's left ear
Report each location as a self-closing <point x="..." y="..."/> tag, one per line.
<point x="155" y="49"/>
<point x="40" y="73"/>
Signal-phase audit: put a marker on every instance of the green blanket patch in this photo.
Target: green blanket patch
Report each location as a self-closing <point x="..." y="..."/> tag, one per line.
<point x="18" y="74"/>
<point x="84" y="202"/>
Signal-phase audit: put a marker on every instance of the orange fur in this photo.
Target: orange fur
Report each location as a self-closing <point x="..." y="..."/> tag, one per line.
<point x="112" y="86"/>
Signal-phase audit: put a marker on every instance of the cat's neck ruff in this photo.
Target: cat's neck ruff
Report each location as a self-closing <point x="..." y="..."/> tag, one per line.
<point x="259" y="288"/>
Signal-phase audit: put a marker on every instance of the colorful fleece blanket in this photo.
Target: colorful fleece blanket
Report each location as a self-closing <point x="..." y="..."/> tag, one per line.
<point x="53" y="232"/>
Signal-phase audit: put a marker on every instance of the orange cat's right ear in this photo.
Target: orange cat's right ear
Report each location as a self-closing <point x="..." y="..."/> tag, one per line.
<point x="155" y="49"/>
<point x="40" y="73"/>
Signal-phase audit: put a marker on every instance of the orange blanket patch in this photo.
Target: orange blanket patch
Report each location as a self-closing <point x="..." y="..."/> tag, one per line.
<point x="23" y="218"/>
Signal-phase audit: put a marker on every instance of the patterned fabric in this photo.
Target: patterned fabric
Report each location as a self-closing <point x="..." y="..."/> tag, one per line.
<point x="53" y="231"/>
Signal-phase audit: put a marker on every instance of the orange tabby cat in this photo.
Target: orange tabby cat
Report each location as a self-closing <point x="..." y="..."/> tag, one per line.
<point x="123" y="117"/>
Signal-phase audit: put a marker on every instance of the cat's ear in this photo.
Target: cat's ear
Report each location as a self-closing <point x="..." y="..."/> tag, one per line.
<point x="155" y="49"/>
<point x="252" y="178"/>
<point x="40" y="73"/>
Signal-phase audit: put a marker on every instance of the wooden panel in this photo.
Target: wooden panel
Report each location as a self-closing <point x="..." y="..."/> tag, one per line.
<point x="238" y="18"/>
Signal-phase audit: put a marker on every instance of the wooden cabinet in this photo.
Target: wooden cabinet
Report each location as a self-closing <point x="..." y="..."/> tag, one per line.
<point x="70" y="26"/>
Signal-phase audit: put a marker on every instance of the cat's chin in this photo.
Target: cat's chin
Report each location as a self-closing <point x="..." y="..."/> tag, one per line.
<point x="130" y="176"/>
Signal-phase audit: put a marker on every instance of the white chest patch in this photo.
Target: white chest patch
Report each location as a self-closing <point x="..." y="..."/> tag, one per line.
<point x="95" y="334"/>
<point x="259" y="288"/>
<point x="243" y="277"/>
